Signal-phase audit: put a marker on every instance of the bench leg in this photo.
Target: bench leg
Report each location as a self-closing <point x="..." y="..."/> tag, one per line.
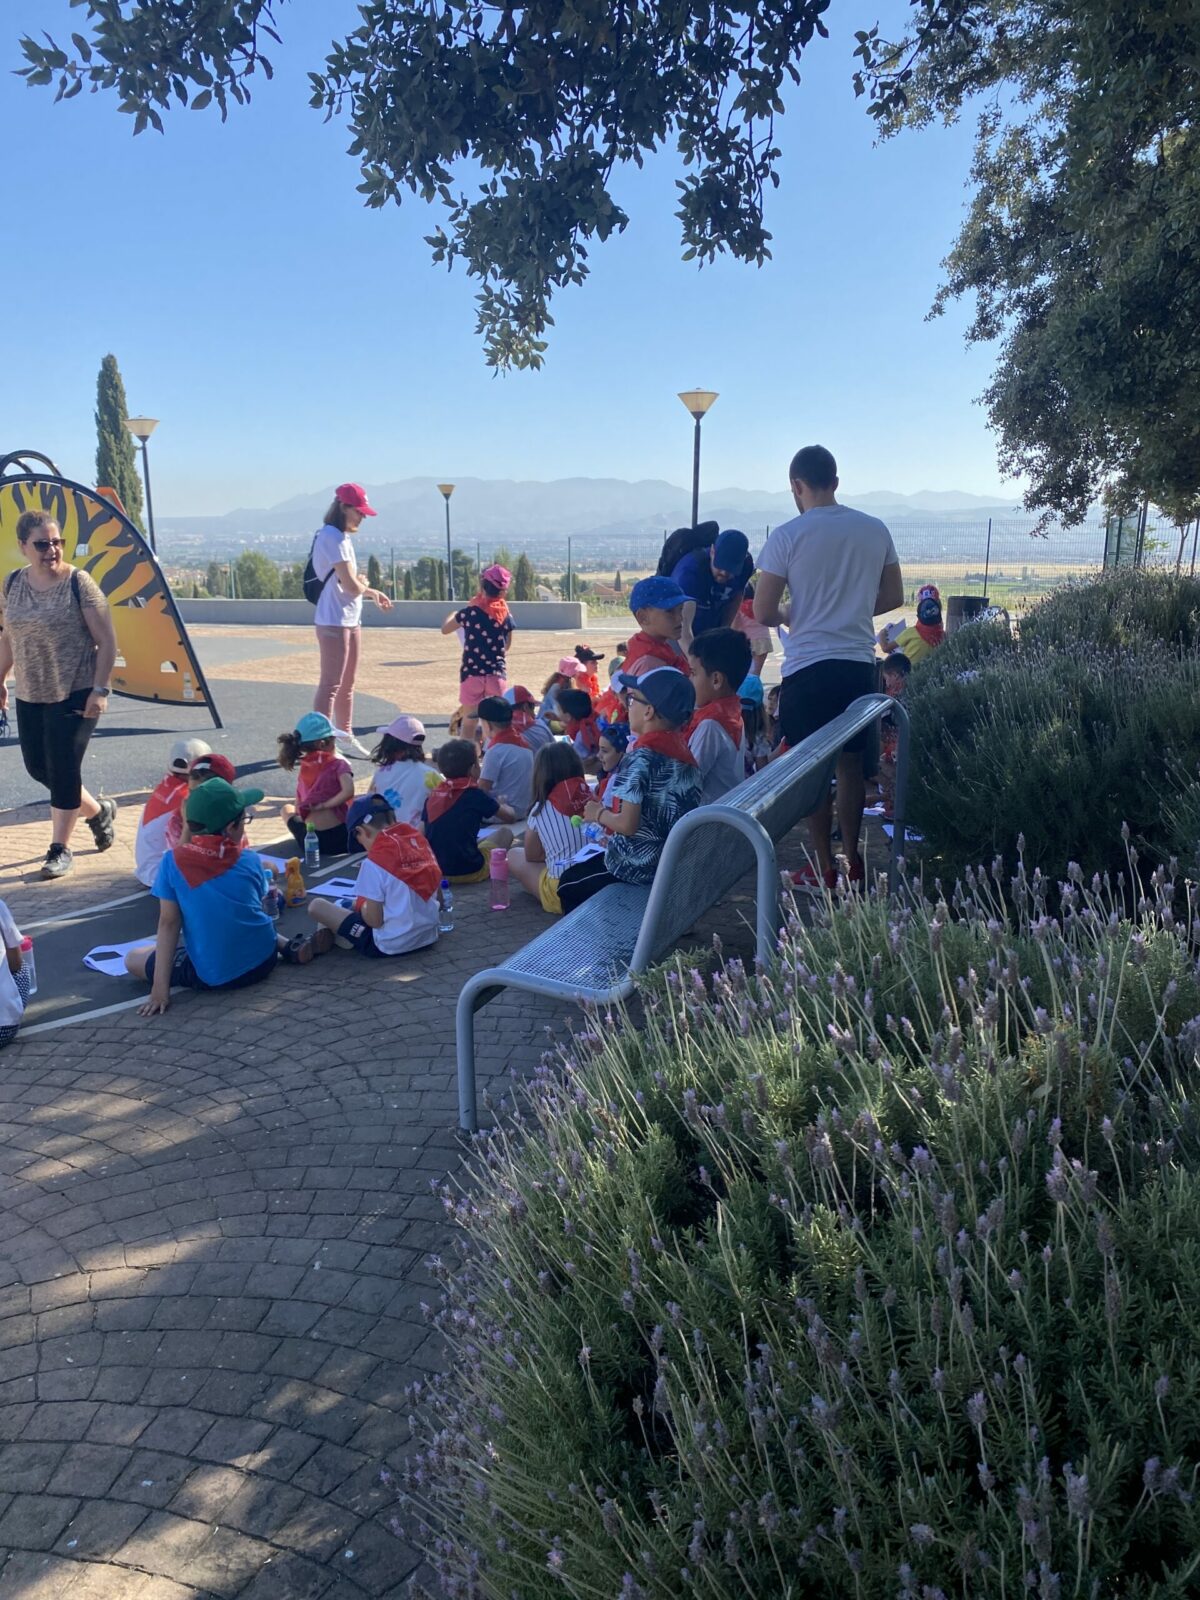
<point x="474" y="995"/>
<point x="899" y="801"/>
<point x="767" y="863"/>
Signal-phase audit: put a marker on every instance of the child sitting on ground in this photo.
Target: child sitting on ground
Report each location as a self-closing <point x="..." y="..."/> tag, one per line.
<point x="150" y="842"/>
<point x="656" y="784"/>
<point x="614" y="741"/>
<point x="324" y="783"/>
<point x="211" y="765"/>
<point x="895" y="671"/>
<point x="716" y="734"/>
<point x="14" y="979"/>
<point x="210" y="889"/>
<point x="587" y="679"/>
<point x="396" y="891"/>
<point x="401" y="771"/>
<point x="564" y="678"/>
<point x="524" y="707"/>
<point x="610" y="706"/>
<point x="457" y="809"/>
<point x="754" y="724"/>
<point x="507" y="770"/>
<point x="657" y="604"/>
<point x="552" y="841"/>
<point x="579" y="723"/>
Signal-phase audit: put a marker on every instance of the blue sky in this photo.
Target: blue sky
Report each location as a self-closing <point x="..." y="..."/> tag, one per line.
<point x="289" y="338"/>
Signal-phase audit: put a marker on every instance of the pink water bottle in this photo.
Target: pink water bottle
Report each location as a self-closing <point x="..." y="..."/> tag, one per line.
<point x="498" y="873"/>
<point x="29" y="964"/>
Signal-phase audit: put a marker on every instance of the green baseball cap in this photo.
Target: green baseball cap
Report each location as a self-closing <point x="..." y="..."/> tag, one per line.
<point x="214" y="805"/>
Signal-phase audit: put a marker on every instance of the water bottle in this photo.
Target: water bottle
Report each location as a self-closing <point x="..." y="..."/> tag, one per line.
<point x="28" y="965"/>
<point x="273" y="902"/>
<point x="498" y="873"/>
<point x="312" y="848"/>
<point x="445" y="907"/>
<point x="593" y="833"/>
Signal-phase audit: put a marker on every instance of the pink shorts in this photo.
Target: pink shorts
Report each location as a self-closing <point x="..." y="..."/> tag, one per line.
<point x="472" y="690"/>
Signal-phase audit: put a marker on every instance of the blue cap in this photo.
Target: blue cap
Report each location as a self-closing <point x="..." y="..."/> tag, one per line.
<point x="664" y="593"/>
<point x="730" y="551"/>
<point x="669" y="691"/>
<point x="363" y="809"/>
<point x="751" y="691"/>
<point x="313" y="726"/>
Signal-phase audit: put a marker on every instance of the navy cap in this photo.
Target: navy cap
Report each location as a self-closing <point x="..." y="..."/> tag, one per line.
<point x="664" y="593"/>
<point x="364" y="809"/>
<point x="670" y="692"/>
<point x="730" y="551"/>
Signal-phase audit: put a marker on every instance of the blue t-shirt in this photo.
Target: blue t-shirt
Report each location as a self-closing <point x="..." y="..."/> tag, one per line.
<point x="454" y="836"/>
<point x="666" y="790"/>
<point x="695" y="577"/>
<point x="225" y="929"/>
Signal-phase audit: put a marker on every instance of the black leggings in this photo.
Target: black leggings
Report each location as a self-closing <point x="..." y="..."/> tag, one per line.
<point x="53" y="741"/>
<point x="331" y="840"/>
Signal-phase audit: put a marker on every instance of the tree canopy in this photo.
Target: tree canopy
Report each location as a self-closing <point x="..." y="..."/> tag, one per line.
<point x="1081" y="247"/>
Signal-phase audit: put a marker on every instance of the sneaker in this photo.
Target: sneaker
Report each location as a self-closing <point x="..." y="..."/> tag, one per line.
<point x="856" y="876"/>
<point x="103" y="831"/>
<point x="59" y="861"/>
<point x="349" y="748"/>
<point x="809" y="881"/>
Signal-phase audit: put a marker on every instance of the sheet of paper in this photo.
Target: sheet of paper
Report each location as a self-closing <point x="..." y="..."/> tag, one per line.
<point x="110" y="958"/>
<point x="335" y="888"/>
<point x="911" y="836"/>
<point x="873" y="811"/>
<point x="278" y="862"/>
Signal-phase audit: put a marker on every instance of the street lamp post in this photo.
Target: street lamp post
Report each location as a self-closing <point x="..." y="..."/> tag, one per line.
<point x="697" y="401"/>
<point x="446" y="490"/>
<point x="141" y="428"/>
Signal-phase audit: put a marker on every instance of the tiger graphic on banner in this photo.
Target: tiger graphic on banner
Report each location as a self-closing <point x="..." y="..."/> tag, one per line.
<point x="155" y="659"/>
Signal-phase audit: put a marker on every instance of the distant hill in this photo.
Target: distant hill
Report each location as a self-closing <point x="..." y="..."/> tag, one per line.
<point x="495" y="511"/>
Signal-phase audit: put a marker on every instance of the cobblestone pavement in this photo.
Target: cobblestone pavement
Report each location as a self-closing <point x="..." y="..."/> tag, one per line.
<point x="213" y="1234"/>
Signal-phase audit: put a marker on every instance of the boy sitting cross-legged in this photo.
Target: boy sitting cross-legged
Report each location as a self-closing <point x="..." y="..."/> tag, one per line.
<point x="210" y="889"/>
<point x="656" y="783"/>
<point x="457" y="809"/>
<point x="716" y="734"/>
<point x="507" y="770"/>
<point x="396" y="892"/>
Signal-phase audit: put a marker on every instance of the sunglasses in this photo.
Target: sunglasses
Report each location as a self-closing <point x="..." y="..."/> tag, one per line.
<point x="49" y="544"/>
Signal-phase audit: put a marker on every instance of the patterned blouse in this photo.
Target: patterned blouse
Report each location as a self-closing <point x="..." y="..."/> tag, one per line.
<point x="485" y="648"/>
<point x="666" y="790"/>
<point x="53" y="651"/>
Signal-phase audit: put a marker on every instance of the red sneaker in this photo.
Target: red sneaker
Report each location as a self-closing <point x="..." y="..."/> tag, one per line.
<point x="810" y="881"/>
<point x="856" y="876"/>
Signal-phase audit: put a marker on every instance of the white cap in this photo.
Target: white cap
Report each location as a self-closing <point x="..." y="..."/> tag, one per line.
<point x="185" y="751"/>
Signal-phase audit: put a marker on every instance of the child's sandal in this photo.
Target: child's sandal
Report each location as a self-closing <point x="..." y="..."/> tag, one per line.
<point x="305" y="948"/>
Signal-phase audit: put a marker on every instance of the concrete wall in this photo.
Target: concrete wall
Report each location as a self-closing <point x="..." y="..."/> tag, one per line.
<point x="557" y="616"/>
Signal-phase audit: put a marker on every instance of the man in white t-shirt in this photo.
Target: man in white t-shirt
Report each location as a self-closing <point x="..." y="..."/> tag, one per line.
<point x="841" y="571"/>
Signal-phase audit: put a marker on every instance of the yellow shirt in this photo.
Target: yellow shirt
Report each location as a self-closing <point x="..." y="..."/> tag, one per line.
<point x="911" y="644"/>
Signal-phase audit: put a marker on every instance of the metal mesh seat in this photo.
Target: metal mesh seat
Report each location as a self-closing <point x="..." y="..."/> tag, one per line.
<point x="596" y="952"/>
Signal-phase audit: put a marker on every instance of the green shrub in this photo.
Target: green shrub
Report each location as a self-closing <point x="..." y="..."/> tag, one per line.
<point x="1123" y="608"/>
<point x="1061" y="747"/>
<point x="877" y="1276"/>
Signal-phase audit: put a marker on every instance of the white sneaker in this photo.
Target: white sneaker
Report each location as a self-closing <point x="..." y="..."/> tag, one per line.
<point x="349" y="746"/>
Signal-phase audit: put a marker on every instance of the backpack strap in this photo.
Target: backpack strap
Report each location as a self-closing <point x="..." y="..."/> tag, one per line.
<point x="75" y="587"/>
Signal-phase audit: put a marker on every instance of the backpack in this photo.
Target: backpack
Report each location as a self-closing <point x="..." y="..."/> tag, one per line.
<point x="12" y="578"/>
<point x="314" y="587"/>
<point x="682" y="542"/>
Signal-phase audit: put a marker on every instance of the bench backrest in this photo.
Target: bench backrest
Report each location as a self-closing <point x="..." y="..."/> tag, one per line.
<point x="702" y="861"/>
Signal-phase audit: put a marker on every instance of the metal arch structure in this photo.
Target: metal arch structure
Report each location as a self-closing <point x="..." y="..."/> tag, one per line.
<point x="155" y="658"/>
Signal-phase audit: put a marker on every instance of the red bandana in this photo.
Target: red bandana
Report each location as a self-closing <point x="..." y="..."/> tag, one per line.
<point x="168" y="796"/>
<point x="508" y="736"/>
<point x="590" y="684"/>
<point x="496" y="608"/>
<point x="673" y="745"/>
<point x="667" y="651"/>
<point x="405" y="854"/>
<point x="445" y="795"/>
<point x="932" y="632"/>
<point x="318" y="780"/>
<point x="589" y="730"/>
<point x="609" y="706"/>
<point x="727" y="712"/>
<point x="570" y="796"/>
<point x="207" y="856"/>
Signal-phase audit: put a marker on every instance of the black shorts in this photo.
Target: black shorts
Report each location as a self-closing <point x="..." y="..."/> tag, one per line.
<point x="332" y="841"/>
<point x="582" y="880"/>
<point x="185" y="976"/>
<point x="360" y="935"/>
<point x="818" y="693"/>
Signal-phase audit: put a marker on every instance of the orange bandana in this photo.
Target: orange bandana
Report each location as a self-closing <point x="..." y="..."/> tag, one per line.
<point x="726" y="712"/>
<point x="445" y="795"/>
<point x="405" y="854"/>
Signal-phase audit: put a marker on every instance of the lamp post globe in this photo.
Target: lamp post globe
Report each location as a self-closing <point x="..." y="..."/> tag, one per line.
<point x="698" y="402"/>
<point x="141" y="428"/>
<point x="446" y="490"/>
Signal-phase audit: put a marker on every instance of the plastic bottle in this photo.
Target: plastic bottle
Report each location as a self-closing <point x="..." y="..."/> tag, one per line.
<point x="445" y="907"/>
<point x="592" y="832"/>
<point x="294" y="893"/>
<point x="498" y="873"/>
<point x="312" y="847"/>
<point x="28" y="963"/>
<point x="273" y="902"/>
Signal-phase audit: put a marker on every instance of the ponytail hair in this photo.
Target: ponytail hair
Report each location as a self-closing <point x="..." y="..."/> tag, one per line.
<point x="291" y="748"/>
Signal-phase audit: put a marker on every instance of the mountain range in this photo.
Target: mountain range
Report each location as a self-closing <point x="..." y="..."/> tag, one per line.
<point x="496" y="510"/>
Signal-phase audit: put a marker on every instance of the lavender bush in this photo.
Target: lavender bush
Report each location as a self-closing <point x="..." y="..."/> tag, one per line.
<point x="877" y="1275"/>
<point x="1126" y="608"/>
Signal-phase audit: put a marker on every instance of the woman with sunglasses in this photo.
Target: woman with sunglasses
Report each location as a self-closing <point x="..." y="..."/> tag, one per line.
<point x="59" y="635"/>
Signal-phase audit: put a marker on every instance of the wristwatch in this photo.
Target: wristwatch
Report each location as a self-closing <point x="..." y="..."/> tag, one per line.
<point x="99" y="688"/>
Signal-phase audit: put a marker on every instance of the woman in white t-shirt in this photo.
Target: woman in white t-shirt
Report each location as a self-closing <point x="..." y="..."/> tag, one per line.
<point x="14" y="980"/>
<point x="338" y="618"/>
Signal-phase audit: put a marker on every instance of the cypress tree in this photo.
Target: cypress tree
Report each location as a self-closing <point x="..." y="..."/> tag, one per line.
<point x="374" y="572"/>
<point x="116" y="460"/>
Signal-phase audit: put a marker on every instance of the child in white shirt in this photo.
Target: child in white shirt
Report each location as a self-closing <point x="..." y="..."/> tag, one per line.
<point x="401" y="773"/>
<point x="552" y="838"/>
<point x="150" y="843"/>
<point x="14" y="979"/>
<point x="396" y="902"/>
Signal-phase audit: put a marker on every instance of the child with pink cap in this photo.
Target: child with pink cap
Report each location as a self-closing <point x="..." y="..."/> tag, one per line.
<point x="487" y="629"/>
<point x="402" y="774"/>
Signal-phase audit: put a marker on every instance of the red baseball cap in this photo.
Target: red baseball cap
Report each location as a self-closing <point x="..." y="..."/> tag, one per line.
<point x="520" y="694"/>
<point x="354" y="496"/>
<point x="214" y="765"/>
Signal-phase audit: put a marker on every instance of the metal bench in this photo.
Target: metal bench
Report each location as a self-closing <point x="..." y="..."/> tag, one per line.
<point x="596" y="953"/>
